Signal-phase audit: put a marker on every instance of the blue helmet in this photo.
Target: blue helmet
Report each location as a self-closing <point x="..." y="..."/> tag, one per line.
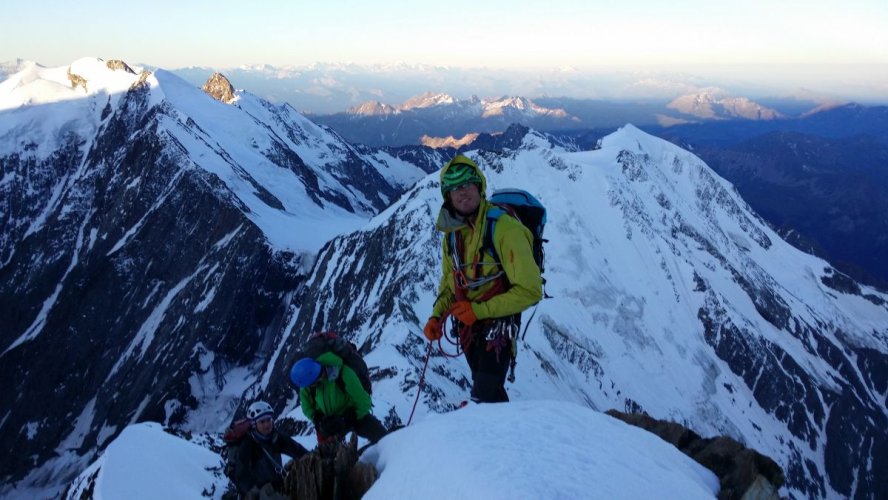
<point x="305" y="372"/>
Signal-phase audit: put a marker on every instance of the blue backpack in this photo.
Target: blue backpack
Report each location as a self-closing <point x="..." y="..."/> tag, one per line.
<point x="528" y="210"/>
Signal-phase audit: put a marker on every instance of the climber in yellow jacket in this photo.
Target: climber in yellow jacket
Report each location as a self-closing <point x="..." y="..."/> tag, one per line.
<point x="484" y="296"/>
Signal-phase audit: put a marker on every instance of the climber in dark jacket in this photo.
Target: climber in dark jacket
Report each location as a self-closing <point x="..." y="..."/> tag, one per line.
<point x="258" y="461"/>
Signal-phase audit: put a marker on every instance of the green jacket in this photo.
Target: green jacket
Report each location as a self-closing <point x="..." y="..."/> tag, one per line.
<point x="328" y="396"/>
<point x="513" y="242"/>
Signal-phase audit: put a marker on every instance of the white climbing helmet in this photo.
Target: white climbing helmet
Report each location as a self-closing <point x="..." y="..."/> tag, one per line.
<point x="258" y="410"/>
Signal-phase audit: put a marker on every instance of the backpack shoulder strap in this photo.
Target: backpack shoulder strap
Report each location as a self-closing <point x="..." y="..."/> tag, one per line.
<point x="493" y="215"/>
<point x="451" y="242"/>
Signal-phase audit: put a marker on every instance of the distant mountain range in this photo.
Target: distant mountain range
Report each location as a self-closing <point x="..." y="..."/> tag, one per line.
<point x="422" y="118"/>
<point x="367" y="104"/>
<point x="441" y="119"/>
<point x="483" y="108"/>
<point x="322" y="89"/>
<point x="714" y="104"/>
<point x="832" y="121"/>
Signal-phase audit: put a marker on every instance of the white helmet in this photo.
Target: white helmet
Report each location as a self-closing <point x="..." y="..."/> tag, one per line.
<point x="259" y="409"/>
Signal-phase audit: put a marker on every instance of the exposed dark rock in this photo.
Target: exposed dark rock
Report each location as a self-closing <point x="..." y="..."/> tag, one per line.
<point x="117" y="64"/>
<point x="839" y="282"/>
<point x="852" y="425"/>
<point x="219" y="88"/>
<point x="743" y="473"/>
<point x="76" y="80"/>
<point x="143" y="76"/>
<point x="331" y="472"/>
<point x="428" y="159"/>
<point x="511" y="138"/>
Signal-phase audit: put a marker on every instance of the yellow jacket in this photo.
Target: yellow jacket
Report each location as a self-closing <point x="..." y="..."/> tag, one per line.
<point x="514" y="244"/>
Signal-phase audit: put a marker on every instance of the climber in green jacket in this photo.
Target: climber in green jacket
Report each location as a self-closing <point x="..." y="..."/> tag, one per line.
<point x="333" y="399"/>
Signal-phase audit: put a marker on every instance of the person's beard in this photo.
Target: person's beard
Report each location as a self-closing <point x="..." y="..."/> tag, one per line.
<point x="468" y="216"/>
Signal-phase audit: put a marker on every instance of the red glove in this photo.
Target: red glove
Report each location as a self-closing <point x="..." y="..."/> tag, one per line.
<point x="432" y="329"/>
<point x="463" y="312"/>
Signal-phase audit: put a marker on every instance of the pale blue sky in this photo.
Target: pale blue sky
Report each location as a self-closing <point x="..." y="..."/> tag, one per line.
<point x="499" y="33"/>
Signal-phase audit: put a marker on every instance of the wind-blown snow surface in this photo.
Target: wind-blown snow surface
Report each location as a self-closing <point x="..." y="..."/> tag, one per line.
<point x="533" y="450"/>
<point x="669" y="296"/>
<point x="144" y="462"/>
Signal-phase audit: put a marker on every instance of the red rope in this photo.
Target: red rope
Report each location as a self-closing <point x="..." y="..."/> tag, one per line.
<point x="457" y="340"/>
<point x="463" y="339"/>
<point x="421" y="382"/>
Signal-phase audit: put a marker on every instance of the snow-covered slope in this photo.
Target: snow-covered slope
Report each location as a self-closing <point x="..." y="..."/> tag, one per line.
<point x="151" y="241"/>
<point x="144" y="462"/>
<point x="533" y="450"/>
<point x="303" y="183"/>
<point x="669" y="296"/>
<point x="8" y="68"/>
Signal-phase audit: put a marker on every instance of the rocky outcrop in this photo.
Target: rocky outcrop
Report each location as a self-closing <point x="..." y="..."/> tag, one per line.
<point x="76" y="80"/>
<point x="117" y="64"/>
<point x="219" y="88"/>
<point x="332" y="471"/>
<point x="743" y="473"/>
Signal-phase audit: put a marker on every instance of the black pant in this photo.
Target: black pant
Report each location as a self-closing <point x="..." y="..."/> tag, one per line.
<point x="371" y="428"/>
<point x="337" y="427"/>
<point x="489" y="361"/>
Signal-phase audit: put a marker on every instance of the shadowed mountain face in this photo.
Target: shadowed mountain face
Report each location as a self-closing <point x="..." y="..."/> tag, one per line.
<point x="829" y="196"/>
<point x="152" y="240"/>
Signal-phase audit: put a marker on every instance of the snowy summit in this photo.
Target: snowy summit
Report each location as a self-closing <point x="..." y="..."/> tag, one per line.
<point x="528" y="450"/>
